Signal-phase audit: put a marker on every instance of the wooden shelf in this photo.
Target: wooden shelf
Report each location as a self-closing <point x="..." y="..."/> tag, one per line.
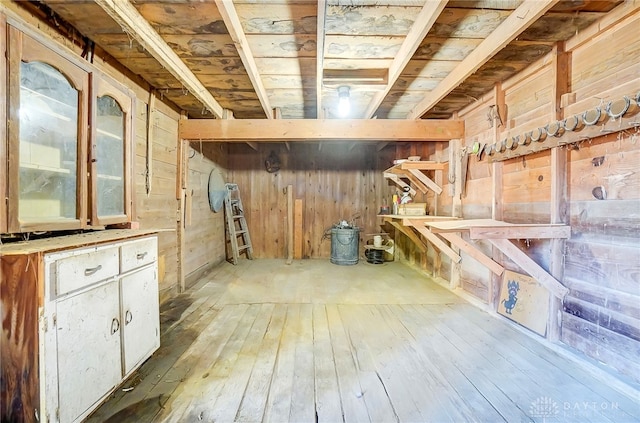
<point x="413" y="171"/>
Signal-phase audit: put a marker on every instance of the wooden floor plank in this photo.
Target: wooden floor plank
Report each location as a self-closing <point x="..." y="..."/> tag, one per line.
<point x="378" y="344"/>
<point x="263" y="341"/>
<point x="279" y="400"/>
<point x="327" y="394"/>
<point x="303" y="395"/>
<point x="255" y="397"/>
<point x="487" y="400"/>
<point x="211" y="364"/>
<point x="351" y="391"/>
<point x="227" y="404"/>
<point x="564" y="388"/>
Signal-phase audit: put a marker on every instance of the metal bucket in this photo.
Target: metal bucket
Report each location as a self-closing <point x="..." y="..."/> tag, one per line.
<point x="345" y="243"/>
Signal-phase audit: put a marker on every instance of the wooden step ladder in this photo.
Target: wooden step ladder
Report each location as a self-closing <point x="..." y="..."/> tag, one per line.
<point x="237" y="228"/>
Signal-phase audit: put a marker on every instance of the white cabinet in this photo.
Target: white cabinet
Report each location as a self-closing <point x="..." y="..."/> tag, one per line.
<point x="88" y="348"/>
<point x="96" y="315"/>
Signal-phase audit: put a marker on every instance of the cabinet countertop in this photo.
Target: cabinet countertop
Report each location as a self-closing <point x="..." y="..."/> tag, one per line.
<point x="73" y="241"/>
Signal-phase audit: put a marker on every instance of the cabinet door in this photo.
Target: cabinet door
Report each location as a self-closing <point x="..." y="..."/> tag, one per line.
<point x="110" y="154"/>
<point x="48" y="104"/>
<point x="89" y="360"/>
<point x="140" y="314"/>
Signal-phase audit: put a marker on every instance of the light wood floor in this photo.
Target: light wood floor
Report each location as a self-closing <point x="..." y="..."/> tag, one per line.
<point x="263" y="341"/>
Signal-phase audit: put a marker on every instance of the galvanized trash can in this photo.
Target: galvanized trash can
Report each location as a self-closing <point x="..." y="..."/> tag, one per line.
<point x="345" y="245"/>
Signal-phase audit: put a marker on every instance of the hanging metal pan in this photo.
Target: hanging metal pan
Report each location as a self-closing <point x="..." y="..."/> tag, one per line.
<point x="593" y="116"/>
<point x="617" y="109"/>
<point x="573" y="123"/>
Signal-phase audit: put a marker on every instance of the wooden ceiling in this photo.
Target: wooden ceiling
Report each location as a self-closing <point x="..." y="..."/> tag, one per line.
<point x="401" y="59"/>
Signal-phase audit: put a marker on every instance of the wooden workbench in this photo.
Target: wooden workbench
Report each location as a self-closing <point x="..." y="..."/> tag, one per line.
<point x="438" y="229"/>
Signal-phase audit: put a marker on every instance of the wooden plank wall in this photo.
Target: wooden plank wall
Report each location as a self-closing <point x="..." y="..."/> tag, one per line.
<point x="158" y="208"/>
<point x="336" y="181"/>
<point x="601" y="315"/>
<point x="205" y="230"/>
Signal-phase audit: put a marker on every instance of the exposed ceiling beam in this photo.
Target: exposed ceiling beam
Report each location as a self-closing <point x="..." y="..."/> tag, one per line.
<point x="232" y="21"/>
<point x="421" y="26"/>
<point x="369" y="130"/>
<point x="519" y="20"/>
<point x="137" y="27"/>
<point x="320" y="24"/>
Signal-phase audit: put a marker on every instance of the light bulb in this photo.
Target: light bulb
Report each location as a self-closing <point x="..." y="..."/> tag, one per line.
<point x="344" y="105"/>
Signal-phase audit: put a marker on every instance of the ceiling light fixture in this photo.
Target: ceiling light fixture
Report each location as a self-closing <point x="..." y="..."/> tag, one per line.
<point x="344" y="105"/>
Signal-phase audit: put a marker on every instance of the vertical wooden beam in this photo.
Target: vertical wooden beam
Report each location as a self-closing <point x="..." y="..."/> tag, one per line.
<point x="3" y="127"/>
<point x="497" y="206"/>
<point x="151" y="122"/>
<point x="298" y="232"/>
<point x="560" y="67"/>
<point x="558" y="202"/>
<point x="181" y="185"/>
<point x="456" y="205"/>
<point x="290" y="228"/>
<point x="320" y="29"/>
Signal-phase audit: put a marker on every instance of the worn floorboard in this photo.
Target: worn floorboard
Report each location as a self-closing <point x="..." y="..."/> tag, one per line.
<point x="312" y="341"/>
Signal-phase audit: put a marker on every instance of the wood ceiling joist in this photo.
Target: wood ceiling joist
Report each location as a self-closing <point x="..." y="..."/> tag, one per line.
<point x="134" y="24"/>
<point x="232" y="21"/>
<point x="519" y="20"/>
<point x="422" y="24"/>
<point x="322" y="14"/>
<point x="281" y="130"/>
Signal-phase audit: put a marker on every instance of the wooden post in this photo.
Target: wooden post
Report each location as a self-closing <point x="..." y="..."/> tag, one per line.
<point x="298" y="238"/>
<point x="456" y="206"/>
<point x="497" y="206"/>
<point x="289" y="224"/>
<point x="558" y="201"/>
<point x="181" y="185"/>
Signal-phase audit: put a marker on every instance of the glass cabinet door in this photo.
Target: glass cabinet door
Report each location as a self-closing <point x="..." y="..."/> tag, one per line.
<point x="47" y="137"/>
<point x="109" y="143"/>
<point x="48" y="144"/>
<point x="109" y="153"/>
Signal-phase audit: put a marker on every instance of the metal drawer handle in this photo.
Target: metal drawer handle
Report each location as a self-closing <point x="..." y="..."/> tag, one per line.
<point x="140" y="256"/>
<point x="115" y="325"/>
<point x="92" y="270"/>
<point x="128" y="317"/>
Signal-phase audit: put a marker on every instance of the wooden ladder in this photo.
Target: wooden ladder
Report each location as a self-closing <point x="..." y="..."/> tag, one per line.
<point x="236" y="224"/>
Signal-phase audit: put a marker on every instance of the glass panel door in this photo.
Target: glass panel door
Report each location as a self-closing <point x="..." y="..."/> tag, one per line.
<point x="109" y="154"/>
<point x="48" y="144"/>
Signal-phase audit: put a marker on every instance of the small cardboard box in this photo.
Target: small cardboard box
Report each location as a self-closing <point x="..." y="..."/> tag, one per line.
<point x="413" y="209"/>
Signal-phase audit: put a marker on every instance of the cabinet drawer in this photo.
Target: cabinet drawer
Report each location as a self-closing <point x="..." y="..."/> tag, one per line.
<point x="138" y="253"/>
<point x="85" y="269"/>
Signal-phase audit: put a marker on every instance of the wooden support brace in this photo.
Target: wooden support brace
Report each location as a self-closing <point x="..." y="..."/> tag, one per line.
<point x="437" y="242"/>
<point x="457" y="240"/>
<point x="396" y="180"/>
<point x="426" y="180"/>
<point x="530" y="266"/>
<point x="411" y="235"/>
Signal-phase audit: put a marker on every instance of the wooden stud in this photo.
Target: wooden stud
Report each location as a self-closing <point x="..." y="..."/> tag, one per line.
<point x="369" y="130"/>
<point x="558" y="215"/>
<point x="298" y="232"/>
<point x="320" y="30"/>
<point x="520" y="19"/>
<point x="290" y="228"/>
<point x="3" y="126"/>
<point x="151" y="122"/>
